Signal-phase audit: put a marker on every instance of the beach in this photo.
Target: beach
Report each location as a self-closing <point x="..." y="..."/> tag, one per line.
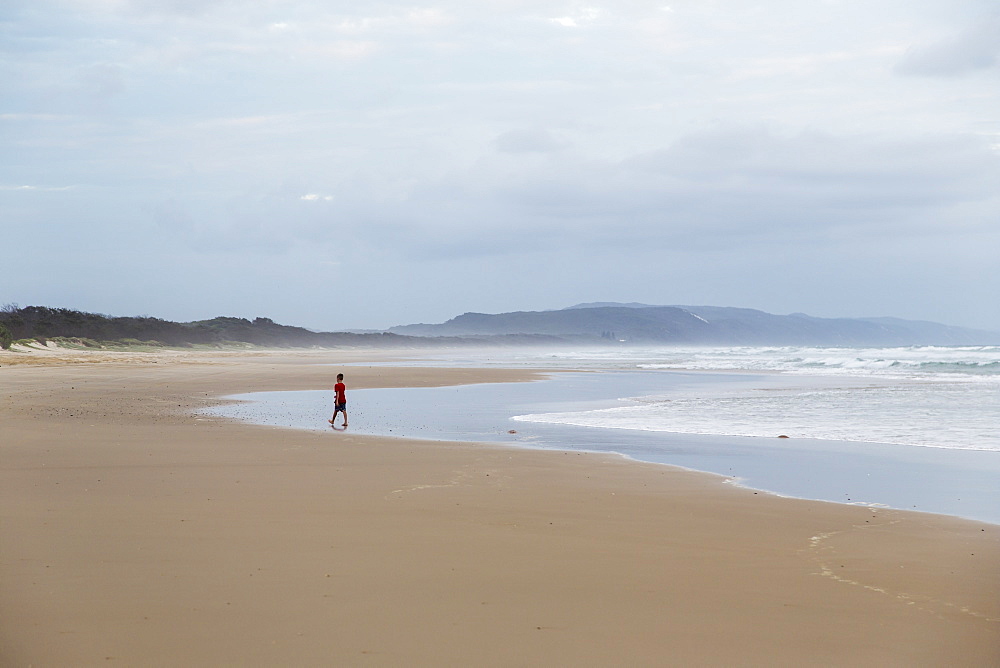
<point x="138" y="531"/>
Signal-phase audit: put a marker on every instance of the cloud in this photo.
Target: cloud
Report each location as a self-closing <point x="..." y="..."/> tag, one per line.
<point x="341" y="49"/>
<point x="974" y="49"/>
<point x="728" y="188"/>
<point x="514" y="133"/>
<point x="188" y="8"/>
<point x="100" y="80"/>
<point x="528" y="141"/>
<point x="37" y="117"/>
<point x="798" y="65"/>
<point x="28" y="188"/>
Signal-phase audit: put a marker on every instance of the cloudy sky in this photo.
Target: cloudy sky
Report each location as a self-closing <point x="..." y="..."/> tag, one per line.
<point x="365" y="164"/>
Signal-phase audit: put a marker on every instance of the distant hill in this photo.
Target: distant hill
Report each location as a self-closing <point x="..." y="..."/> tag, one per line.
<point x="41" y="323"/>
<point x="584" y="324"/>
<point x="701" y="325"/>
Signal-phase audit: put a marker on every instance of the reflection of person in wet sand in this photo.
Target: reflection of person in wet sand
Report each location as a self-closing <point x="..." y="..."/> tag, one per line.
<point x="339" y="399"/>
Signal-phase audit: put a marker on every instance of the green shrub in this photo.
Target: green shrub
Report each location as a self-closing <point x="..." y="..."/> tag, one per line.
<point x="74" y="342"/>
<point x="5" y="337"/>
<point x="134" y="344"/>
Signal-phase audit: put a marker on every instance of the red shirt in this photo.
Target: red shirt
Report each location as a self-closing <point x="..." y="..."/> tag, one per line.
<point x="339" y="391"/>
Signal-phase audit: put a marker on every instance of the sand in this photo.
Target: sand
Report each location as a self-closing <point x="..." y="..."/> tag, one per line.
<point x="135" y="532"/>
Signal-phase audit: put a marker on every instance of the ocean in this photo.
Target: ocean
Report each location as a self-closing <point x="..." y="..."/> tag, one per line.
<point x="912" y="428"/>
<point x="920" y="396"/>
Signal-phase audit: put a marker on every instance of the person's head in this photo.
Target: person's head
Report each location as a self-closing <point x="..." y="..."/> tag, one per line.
<point x="340" y="376"/>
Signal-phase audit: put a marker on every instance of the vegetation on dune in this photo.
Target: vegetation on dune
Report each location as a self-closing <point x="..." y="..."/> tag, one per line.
<point x="76" y="329"/>
<point x="86" y="329"/>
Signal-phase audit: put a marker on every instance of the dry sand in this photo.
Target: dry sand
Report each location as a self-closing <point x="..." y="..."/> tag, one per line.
<point x="137" y="533"/>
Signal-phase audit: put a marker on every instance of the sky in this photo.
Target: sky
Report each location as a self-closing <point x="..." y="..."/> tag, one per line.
<point x="345" y="165"/>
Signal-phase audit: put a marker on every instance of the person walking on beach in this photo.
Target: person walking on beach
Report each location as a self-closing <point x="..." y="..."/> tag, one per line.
<point x="339" y="399"/>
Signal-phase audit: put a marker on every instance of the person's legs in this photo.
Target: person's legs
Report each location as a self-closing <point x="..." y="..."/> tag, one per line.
<point x="339" y="408"/>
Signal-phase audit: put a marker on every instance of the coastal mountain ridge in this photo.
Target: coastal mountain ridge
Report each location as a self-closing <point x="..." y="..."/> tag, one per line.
<point x="600" y="323"/>
<point x="701" y="325"/>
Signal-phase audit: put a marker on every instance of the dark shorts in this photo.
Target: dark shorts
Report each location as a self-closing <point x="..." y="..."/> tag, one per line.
<point x="340" y="407"/>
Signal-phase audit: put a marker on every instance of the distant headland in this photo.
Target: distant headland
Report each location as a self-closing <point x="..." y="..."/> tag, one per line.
<point x="602" y="323"/>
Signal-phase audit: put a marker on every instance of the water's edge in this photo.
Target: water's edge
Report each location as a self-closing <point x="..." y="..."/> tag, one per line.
<point x="935" y="480"/>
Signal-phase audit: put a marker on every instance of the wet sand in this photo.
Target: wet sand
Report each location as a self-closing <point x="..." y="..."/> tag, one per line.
<point x="135" y="532"/>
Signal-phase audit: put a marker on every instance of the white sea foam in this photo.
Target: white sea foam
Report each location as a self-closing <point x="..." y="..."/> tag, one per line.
<point x="924" y="396"/>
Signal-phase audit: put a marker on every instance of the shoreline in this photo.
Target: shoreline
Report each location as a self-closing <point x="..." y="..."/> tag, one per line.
<point x="136" y="532"/>
<point x="941" y="481"/>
